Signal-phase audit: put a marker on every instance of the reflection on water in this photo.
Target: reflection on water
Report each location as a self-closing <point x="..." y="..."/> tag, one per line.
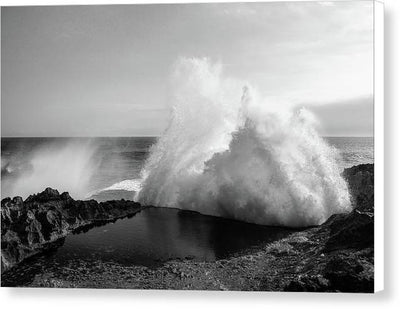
<point x="150" y="238"/>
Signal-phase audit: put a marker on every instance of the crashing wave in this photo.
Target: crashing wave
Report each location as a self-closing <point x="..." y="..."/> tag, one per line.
<point x="228" y="153"/>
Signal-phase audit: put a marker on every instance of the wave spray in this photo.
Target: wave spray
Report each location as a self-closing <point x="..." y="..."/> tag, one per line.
<point x="228" y="153"/>
<point x="65" y="165"/>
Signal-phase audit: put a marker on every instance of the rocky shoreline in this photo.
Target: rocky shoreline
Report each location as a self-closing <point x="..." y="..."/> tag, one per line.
<point x="335" y="256"/>
<point x="32" y="226"/>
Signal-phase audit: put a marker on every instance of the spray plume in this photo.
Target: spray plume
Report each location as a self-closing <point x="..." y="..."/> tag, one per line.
<point x="228" y="153"/>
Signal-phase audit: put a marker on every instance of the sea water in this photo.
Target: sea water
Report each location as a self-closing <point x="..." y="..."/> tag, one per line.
<point x="150" y="238"/>
<point x="109" y="168"/>
<point x="106" y="168"/>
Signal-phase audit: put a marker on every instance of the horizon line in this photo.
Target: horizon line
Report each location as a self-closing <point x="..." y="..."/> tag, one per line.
<point x="120" y="136"/>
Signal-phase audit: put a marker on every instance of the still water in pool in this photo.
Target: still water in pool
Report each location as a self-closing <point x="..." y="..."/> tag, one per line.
<point x="149" y="238"/>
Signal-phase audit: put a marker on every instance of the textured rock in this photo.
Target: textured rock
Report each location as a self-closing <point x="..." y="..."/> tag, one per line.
<point x="348" y="248"/>
<point x="355" y="230"/>
<point x="350" y="271"/>
<point x="308" y="284"/>
<point x="28" y="227"/>
<point x="360" y="179"/>
<point x="336" y="256"/>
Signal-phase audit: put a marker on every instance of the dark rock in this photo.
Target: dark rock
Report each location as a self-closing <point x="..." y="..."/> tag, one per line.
<point x="355" y="230"/>
<point x="336" y="256"/>
<point x="66" y="196"/>
<point x="27" y="227"/>
<point x="360" y="179"/>
<point x="349" y="272"/>
<point x="47" y="195"/>
<point x="346" y="262"/>
<point x="309" y="284"/>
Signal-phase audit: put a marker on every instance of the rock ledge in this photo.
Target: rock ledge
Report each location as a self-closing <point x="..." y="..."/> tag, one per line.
<point x="31" y="226"/>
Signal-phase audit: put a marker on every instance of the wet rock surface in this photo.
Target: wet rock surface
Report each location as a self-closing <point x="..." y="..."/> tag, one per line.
<point x="29" y="227"/>
<point x="337" y="256"/>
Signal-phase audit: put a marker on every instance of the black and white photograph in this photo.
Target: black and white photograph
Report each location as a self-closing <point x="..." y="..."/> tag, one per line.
<point x="189" y="146"/>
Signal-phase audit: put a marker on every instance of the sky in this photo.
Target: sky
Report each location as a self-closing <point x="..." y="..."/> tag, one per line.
<point x="104" y="70"/>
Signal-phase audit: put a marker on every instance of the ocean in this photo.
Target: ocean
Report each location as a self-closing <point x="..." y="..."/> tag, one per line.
<point x="109" y="168"/>
<point x="106" y="168"/>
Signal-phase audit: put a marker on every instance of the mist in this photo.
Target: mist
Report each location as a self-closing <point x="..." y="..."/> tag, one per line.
<point x="228" y="152"/>
<point x="66" y="166"/>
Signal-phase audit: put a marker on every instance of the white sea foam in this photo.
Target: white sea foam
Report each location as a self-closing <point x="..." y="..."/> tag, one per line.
<point x="130" y="185"/>
<point x="227" y="152"/>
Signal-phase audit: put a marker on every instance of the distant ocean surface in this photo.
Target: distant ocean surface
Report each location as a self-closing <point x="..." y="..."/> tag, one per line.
<point x="353" y="150"/>
<point x="106" y="168"/>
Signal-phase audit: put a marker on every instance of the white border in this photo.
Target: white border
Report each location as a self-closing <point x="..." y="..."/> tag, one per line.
<point x="43" y="298"/>
<point x="379" y="144"/>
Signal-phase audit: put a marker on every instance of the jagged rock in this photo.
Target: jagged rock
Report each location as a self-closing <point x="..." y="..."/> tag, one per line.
<point x="355" y="230"/>
<point x="336" y="256"/>
<point x="309" y="284"/>
<point x="348" y="251"/>
<point x="360" y="179"/>
<point x="350" y="272"/>
<point x="47" y="195"/>
<point x="27" y="227"/>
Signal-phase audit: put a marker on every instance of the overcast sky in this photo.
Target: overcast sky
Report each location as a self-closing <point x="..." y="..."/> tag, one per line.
<point x="103" y="70"/>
